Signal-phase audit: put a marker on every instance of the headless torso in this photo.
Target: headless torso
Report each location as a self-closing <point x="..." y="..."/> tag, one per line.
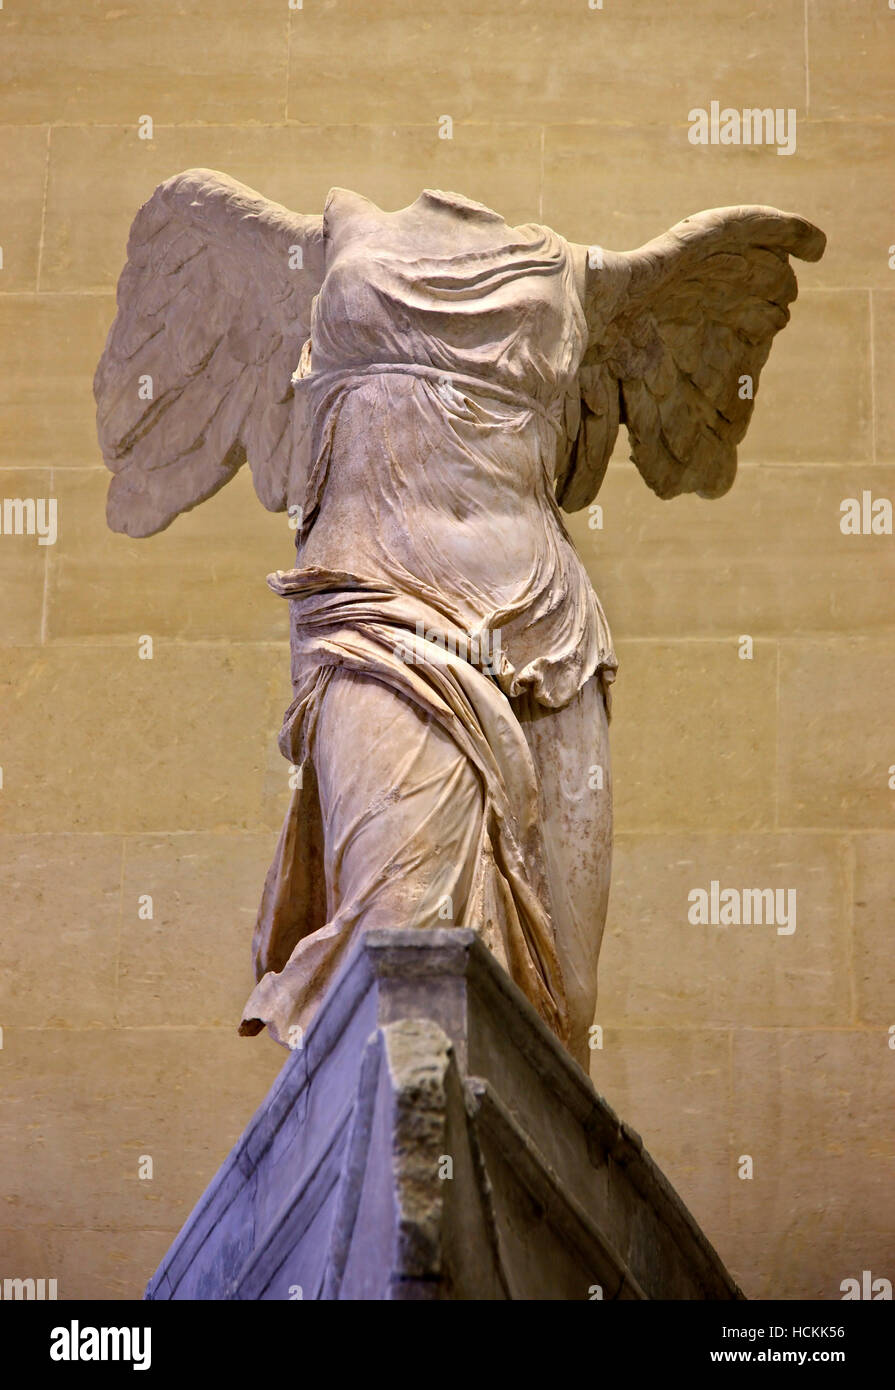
<point x="444" y="345"/>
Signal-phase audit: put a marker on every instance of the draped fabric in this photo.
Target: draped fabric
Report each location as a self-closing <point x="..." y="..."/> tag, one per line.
<point x="366" y="629"/>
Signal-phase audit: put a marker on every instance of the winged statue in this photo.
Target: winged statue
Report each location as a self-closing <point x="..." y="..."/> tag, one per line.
<point x="424" y="393"/>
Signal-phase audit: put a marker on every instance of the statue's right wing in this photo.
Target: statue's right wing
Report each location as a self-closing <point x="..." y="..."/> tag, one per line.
<point x="214" y="306"/>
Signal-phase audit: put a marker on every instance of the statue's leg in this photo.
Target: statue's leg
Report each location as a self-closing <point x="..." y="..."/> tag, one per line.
<point x="401" y="807"/>
<point x="570" y="748"/>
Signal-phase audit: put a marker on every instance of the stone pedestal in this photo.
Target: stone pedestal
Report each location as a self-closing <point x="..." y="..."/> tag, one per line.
<point x="432" y="1139"/>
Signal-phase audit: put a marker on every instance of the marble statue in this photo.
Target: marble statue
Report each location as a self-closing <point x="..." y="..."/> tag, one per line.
<point x="423" y="392"/>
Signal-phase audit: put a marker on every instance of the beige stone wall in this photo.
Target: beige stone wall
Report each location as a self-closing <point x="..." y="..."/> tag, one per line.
<point x="124" y="777"/>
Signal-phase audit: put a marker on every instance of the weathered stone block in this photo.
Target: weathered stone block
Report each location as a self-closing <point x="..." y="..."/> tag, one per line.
<point x="432" y="1139"/>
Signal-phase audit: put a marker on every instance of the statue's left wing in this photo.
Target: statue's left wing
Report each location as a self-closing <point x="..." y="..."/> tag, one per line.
<point x="214" y="307"/>
<point x="679" y="331"/>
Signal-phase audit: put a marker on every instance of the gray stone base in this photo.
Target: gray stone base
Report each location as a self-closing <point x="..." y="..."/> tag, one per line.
<point x="433" y="1140"/>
